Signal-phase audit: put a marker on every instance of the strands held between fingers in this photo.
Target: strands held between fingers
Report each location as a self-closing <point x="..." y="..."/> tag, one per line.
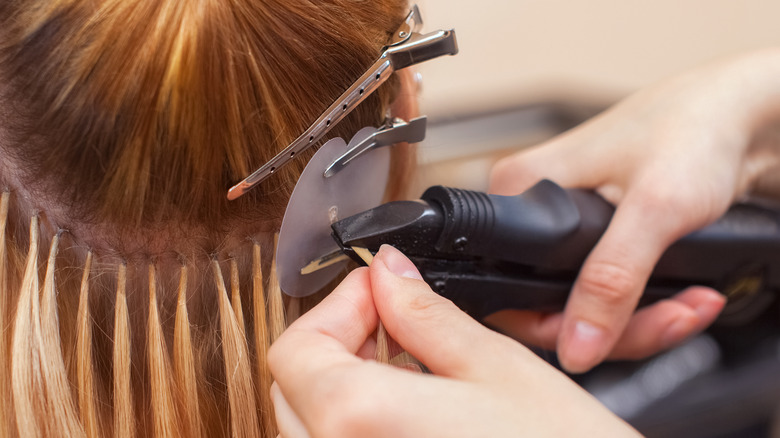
<point x="382" y="354"/>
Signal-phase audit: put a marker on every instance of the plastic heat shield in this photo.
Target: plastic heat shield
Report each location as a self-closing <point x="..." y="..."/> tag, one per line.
<point x="317" y="202"/>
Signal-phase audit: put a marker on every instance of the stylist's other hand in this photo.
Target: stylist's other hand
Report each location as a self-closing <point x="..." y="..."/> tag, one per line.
<point x="484" y="384"/>
<point x="672" y="158"/>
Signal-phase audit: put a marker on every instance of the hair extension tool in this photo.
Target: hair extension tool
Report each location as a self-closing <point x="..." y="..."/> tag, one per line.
<point x="317" y="201"/>
<point x="487" y="252"/>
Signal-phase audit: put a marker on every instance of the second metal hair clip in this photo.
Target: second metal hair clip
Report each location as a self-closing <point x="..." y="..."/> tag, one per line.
<point x="407" y="47"/>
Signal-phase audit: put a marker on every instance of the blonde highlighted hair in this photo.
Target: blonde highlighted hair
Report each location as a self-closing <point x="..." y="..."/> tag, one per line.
<point x="174" y="391"/>
<point x="135" y="300"/>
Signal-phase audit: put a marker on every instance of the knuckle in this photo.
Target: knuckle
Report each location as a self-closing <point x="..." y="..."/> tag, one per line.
<point x="506" y="166"/>
<point x="664" y="201"/>
<point x="608" y="283"/>
<point x="510" y="174"/>
<point x="674" y="206"/>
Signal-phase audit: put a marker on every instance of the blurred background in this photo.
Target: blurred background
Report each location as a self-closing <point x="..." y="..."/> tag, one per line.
<point x="530" y="66"/>
<point x="529" y="69"/>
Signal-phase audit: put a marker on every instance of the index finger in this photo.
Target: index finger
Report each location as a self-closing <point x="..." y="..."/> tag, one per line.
<point x="611" y="281"/>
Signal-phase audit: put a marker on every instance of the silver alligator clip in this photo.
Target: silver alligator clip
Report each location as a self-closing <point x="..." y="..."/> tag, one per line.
<point x="394" y="131"/>
<point x="407" y="47"/>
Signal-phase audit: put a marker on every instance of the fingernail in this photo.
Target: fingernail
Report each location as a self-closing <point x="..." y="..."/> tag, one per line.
<point x="413" y="367"/>
<point x="677" y="331"/>
<point x="397" y="263"/>
<point x="584" y="347"/>
<point x="710" y="309"/>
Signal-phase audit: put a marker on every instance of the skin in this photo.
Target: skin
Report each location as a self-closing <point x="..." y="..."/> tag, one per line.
<point x="483" y="383"/>
<point x="672" y="158"/>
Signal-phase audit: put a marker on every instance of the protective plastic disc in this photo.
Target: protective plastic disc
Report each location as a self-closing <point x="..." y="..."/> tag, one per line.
<point x="317" y="202"/>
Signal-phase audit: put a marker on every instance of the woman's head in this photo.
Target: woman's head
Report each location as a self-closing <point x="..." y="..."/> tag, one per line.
<point x="125" y="122"/>
<point x="137" y="113"/>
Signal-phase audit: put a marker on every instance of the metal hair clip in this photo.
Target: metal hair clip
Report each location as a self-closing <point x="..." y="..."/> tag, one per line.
<point x="407" y="47"/>
<point x="394" y="131"/>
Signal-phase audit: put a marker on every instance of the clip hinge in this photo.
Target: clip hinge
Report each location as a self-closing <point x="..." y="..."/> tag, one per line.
<point x="396" y="131"/>
<point x="412" y="24"/>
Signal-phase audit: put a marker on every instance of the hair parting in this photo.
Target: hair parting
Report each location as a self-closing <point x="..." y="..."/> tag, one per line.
<point x="84" y="363"/>
<point x="184" y="362"/>
<point x="243" y="413"/>
<point x="164" y="416"/>
<point x="124" y="422"/>
<point x="27" y="381"/>
<point x="262" y="343"/>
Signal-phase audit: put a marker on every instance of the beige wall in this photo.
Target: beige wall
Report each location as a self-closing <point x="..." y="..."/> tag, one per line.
<point x="515" y="51"/>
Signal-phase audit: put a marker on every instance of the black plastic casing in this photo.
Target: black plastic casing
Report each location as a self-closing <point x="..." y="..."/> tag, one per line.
<point x="488" y="252"/>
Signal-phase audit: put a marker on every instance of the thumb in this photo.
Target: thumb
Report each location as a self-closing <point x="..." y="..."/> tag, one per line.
<point x="428" y="326"/>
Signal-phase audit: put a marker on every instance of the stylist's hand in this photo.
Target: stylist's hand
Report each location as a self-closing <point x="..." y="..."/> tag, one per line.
<point x="672" y="158"/>
<point x="485" y="384"/>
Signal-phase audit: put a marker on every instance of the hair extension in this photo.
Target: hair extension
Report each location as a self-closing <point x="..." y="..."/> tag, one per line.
<point x="5" y="406"/>
<point x="27" y="381"/>
<point x="235" y="296"/>
<point x="124" y="422"/>
<point x="243" y="414"/>
<point x="84" y="363"/>
<point x="276" y="314"/>
<point x="382" y="354"/>
<point x="262" y="343"/>
<point x="61" y="409"/>
<point x="184" y="362"/>
<point x="164" y="416"/>
<point x="294" y="309"/>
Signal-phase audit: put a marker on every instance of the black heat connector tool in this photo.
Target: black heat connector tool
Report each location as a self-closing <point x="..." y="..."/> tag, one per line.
<point x="488" y="253"/>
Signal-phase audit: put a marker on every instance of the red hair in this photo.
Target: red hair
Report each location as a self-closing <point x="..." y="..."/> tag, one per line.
<point x="126" y="122"/>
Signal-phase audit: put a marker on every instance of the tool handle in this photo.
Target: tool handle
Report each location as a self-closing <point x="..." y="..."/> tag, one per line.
<point x="545" y="226"/>
<point x="482" y="293"/>
<point x="551" y="231"/>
